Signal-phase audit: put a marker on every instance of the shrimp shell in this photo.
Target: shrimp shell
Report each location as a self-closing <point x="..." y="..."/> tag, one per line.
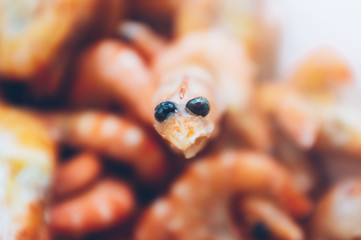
<point x="107" y="203"/>
<point x="197" y="205"/>
<point x="77" y="173"/>
<point x="114" y="136"/>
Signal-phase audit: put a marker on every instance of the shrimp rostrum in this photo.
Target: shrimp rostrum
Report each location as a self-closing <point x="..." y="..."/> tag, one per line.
<point x="27" y="158"/>
<point x="198" y="204"/>
<point x="202" y="76"/>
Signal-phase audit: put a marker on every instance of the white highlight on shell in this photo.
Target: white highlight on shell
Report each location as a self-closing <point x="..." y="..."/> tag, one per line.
<point x="227" y="159"/>
<point x="160" y="209"/>
<point x="132" y="137"/>
<point x="85" y="124"/>
<point x="182" y="191"/>
<point x="105" y="211"/>
<point x="75" y="218"/>
<point x="201" y="168"/>
<point x="109" y="127"/>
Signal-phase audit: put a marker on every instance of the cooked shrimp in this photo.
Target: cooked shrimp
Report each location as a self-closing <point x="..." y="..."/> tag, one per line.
<point x="323" y="70"/>
<point x="108" y="203"/>
<point x="255" y="23"/>
<point x="27" y="159"/>
<point x="111" y="69"/>
<point x="197" y="206"/>
<point x="267" y="220"/>
<point x="338" y="214"/>
<point x="196" y="89"/>
<point x="45" y="54"/>
<point x="321" y="110"/>
<point x="113" y="136"/>
<point x="76" y="173"/>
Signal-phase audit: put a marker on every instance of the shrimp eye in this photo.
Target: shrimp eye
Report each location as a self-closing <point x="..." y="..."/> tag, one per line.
<point x="198" y="106"/>
<point x="260" y="231"/>
<point x="164" y="110"/>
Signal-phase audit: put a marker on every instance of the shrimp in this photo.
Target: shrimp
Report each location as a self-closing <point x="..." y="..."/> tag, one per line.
<point x="27" y="161"/>
<point x="338" y="214"/>
<point x="255" y="23"/>
<point x="77" y="173"/>
<point x="197" y="206"/>
<point x="318" y="108"/>
<point x="107" y="203"/>
<point x="113" y="136"/>
<point x="112" y="70"/>
<point x="197" y="88"/>
<point x="267" y="220"/>
<point x="44" y="57"/>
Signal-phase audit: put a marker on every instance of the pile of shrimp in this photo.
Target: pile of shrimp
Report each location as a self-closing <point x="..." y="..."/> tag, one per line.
<point x="138" y="119"/>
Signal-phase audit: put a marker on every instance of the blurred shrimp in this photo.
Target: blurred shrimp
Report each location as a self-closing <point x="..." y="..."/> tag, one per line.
<point x="266" y="220"/>
<point x="197" y="206"/>
<point x="323" y="70"/>
<point x="254" y="23"/>
<point x="298" y="163"/>
<point x="112" y="70"/>
<point x="200" y="81"/>
<point x="338" y="214"/>
<point x="318" y="108"/>
<point x="113" y="136"/>
<point x="76" y="173"/>
<point x="46" y="54"/>
<point x="27" y="159"/>
<point x="106" y="204"/>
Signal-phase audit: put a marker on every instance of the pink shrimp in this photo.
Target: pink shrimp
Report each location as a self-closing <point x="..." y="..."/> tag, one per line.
<point x="77" y="173"/>
<point x="112" y="70"/>
<point x="107" y="203"/>
<point x="197" y="206"/>
<point x="113" y="136"/>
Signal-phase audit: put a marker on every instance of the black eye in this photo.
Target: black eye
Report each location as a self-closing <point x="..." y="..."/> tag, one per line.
<point x="260" y="231"/>
<point x="164" y="110"/>
<point x="199" y="106"/>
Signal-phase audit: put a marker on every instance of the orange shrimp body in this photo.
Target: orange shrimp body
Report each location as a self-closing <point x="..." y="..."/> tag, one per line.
<point x="107" y="203"/>
<point x="112" y="136"/>
<point x="27" y="158"/>
<point x="112" y="70"/>
<point x="197" y="206"/>
<point x="77" y="173"/>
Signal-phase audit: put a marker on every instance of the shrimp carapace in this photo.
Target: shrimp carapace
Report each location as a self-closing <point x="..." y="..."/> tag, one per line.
<point x="186" y="113"/>
<point x="113" y="136"/>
